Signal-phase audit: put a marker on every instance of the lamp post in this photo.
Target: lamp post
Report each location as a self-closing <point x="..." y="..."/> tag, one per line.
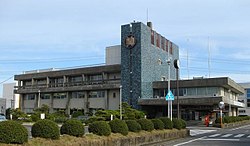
<point x="38" y="100"/>
<point x="121" y="102"/>
<point x="177" y="66"/>
<point x="221" y="106"/>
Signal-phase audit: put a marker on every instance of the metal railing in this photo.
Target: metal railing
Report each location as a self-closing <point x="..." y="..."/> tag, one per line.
<point x="69" y="84"/>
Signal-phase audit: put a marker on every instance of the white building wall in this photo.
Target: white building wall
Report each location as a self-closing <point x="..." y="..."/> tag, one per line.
<point x="113" y="55"/>
<point x="114" y="101"/>
<point x="8" y="94"/>
<point x="77" y="103"/>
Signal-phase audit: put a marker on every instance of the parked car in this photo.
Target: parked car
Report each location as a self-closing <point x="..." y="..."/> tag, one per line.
<point x="2" y="118"/>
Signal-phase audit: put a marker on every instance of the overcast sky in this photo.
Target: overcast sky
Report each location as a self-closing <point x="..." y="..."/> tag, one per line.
<point x="39" y="34"/>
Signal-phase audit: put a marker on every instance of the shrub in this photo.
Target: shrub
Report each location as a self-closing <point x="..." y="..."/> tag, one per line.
<point x="93" y="119"/>
<point x="106" y="114"/>
<point x="168" y="124"/>
<point x="146" y="124"/>
<point x="133" y="126"/>
<point x="177" y="123"/>
<point x="76" y="114"/>
<point x="45" y="129"/>
<point x="13" y="132"/>
<point x="72" y="127"/>
<point x="35" y="117"/>
<point x="100" y="128"/>
<point x="184" y="124"/>
<point x="158" y="124"/>
<point x="119" y="126"/>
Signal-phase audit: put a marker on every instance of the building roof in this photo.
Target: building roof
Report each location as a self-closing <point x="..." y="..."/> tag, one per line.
<point x="203" y="82"/>
<point x="71" y="72"/>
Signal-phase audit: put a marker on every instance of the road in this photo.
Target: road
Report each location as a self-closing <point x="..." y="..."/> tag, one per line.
<point x="214" y="137"/>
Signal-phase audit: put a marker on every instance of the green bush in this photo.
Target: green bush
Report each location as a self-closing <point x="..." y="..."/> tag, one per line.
<point x="133" y="126"/>
<point x="100" y="128"/>
<point x="93" y="119"/>
<point x="72" y="127"/>
<point x="106" y="114"/>
<point x="168" y="124"/>
<point x="45" y="129"/>
<point x="61" y="119"/>
<point x="184" y="124"/>
<point x="76" y="114"/>
<point x="119" y="126"/>
<point x="35" y="117"/>
<point x="146" y="124"/>
<point x="13" y="132"/>
<point x="158" y="124"/>
<point x="177" y="123"/>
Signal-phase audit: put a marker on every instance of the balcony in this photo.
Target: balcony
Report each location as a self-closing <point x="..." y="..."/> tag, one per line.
<point x="69" y="86"/>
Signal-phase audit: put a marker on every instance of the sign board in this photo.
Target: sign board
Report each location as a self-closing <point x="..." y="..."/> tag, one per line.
<point x="169" y="96"/>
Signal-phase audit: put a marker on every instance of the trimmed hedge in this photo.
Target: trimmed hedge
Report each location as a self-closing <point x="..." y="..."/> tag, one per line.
<point x="158" y="124"/>
<point x="100" y="128"/>
<point x="233" y="119"/>
<point x="45" y="129"/>
<point x="119" y="126"/>
<point x="94" y="119"/>
<point x="177" y="123"/>
<point x="72" y="127"/>
<point x="146" y="124"/>
<point x="133" y="126"/>
<point x="13" y="132"/>
<point x="168" y="124"/>
<point x="184" y="123"/>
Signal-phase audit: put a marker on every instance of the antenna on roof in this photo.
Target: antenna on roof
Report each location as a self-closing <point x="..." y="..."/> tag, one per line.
<point x="147" y="14"/>
<point x="209" y="58"/>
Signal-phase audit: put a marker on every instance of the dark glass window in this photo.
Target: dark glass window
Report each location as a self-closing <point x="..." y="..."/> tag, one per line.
<point x="248" y="93"/>
<point x="152" y="37"/>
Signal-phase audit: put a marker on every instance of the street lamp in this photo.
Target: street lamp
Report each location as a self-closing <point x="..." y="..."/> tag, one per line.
<point x="221" y="106"/>
<point x="177" y="66"/>
<point x="121" y="102"/>
<point x="38" y="100"/>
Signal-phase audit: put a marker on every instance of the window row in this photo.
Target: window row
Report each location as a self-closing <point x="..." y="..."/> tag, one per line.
<point x="161" y="42"/>
<point x="78" y="94"/>
<point x="209" y="91"/>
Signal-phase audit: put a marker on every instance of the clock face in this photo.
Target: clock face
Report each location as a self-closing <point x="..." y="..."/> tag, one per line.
<point x="130" y="41"/>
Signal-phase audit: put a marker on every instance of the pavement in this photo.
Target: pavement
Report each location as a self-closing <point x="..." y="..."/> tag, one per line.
<point x="198" y="127"/>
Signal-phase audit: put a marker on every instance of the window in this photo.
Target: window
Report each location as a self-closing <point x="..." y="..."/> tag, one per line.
<point x="78" y="95"/>
<point x="248" y="93"/>
<point x="152" y="37"/>
<point x="59" y="95"/>
<point x="242" y="111"/>
<point x="248" y="104"/>
<point x="97" y="94"/>
<point x="171" y="48"/>
<point x="157" y="40"/>
<point x="95" y="77"/>
<point x="114" y="95"/>
<point x="29" y="97"/>
<point x="75" y="79"/>
<point x="162" y="43"/>
<point x="45" y="96"/>
<point x="166" y="45"/>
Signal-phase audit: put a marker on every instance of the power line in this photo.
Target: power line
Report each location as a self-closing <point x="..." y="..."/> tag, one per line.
<point x="6" y="80"/>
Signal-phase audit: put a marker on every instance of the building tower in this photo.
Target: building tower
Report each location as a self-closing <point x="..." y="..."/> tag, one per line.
<point x="144" y="55"/>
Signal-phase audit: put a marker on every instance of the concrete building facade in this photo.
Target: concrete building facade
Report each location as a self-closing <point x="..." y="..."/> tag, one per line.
<point x="138" y="67"/>
<point x="246" y="98"/>
<point x="12" y="100"/>
<point x="144" y="61"/>
<point x="197" y="97"/>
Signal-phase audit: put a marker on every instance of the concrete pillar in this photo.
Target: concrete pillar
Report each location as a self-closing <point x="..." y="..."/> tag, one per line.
<point x="51" y="103"/>
<point x="68" y="95"/>
<point x="86" y="102"/>
<point x="47" y="82"/>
